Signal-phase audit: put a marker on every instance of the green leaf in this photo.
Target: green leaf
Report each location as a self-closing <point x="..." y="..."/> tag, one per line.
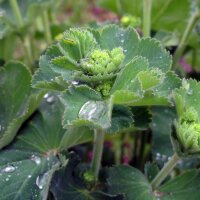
<point x="45" y="77"/>
<point x="156" y="55"/>
<point x="130" y="182"/>
<point x="151" y="170"/>
<point x="187" y="96"/>
<point x="72" y="186"/>
<point x="183" y="187"/>
<point x="162" y="121"/>
<point x="45" y="132"/>
<point x="134" y="185"/>
<point x="25" y="175"/>
<point x="76" y="44"/>
<point x="142" y="117"/>
<point x="84" y="106"/>
<point x="125" y="97"/>
<point x="122" y="118"/>
<point x="113" y="36"/>
<point x="18" y="100"/>
<point x="171" y="82"/>
<point x="129" y="73"/>
<point x="75" y="136"/>
<point x="28" y="164"/>
<point x="150" y="79"/>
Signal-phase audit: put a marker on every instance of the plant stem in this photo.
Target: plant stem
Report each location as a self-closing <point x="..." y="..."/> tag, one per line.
<point x="47" y="31"/>
<point x="97" y="151"/>
<point x="119" y="7"/>
<point x="165" y="171"/>
<point x="147" y="4"/>
<point x="28" y="51"/>
<point x="15" y="7"/>
<point x="181" y="47"/>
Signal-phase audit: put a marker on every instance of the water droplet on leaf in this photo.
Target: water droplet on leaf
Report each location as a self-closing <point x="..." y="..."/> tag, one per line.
<point x="190" y="92"/>
<point x="8" y="169"/>
<point x="74" y="82"/>
<point x="46" y="95"/>
<point x="50" y="99"/>
<point x="36" y="159"/>
<point x="42" y="180"/>
<point x="92" y="110"/>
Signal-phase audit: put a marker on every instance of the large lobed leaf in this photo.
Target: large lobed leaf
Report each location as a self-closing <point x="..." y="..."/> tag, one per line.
<point x="134" y="185"/>
<point x="28" y="164"/>
<point x="18" y="100"/>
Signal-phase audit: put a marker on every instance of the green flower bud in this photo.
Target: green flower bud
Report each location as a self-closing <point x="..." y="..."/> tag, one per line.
<point x="129" y="20"/>
<point x="188" y="131"/>
<point x="103" y="61"/>
<point x="104" y="88"/>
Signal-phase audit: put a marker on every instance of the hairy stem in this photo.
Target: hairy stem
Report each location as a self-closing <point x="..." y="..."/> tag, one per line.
<point x="97" y="151"/>
<point x="181" y="47"/>
<point x="15" y="7"/>
<point x="147" y="4"/>
<point x="165" y="171"/>
<point x="47" y="31"/>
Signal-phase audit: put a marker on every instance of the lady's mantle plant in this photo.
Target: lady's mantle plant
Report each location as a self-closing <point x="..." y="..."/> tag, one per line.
<point x="97" y="70"/>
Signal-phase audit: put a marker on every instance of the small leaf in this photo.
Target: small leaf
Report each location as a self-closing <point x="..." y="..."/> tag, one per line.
<point x="76" y="44"/>
<point x="150" y="79"/>
<point x="84" y="106"/>
<point x="151" y="170"/>
<point x="45" y="77"/>
<point x="122" y="118"/>
<point x="129" y="73"/>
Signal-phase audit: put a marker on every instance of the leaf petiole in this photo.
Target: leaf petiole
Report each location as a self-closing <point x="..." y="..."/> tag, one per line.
<point x="97" y="151"/>
<point x="165" y="171"/>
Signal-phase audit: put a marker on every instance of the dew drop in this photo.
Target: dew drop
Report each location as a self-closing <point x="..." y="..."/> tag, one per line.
<point x="50" y="99"/>
<point x="122" y="41"/>
<point x="190" y="92"/>
<point x="41" y="180"/>
<point x="8" y="169"/>
<point x="74" y="82"/>
<point x="154" y="124"/>
<point x="46" y="95"/>
<point x="51" y="79"/>
<point x="122" y="34"/>
<point x="29" y="176"/>
<point x="36" y="159"/>
<point x="125" y="50"/>
<point x="93" y="110"/>
<point x="7" y="179"/>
